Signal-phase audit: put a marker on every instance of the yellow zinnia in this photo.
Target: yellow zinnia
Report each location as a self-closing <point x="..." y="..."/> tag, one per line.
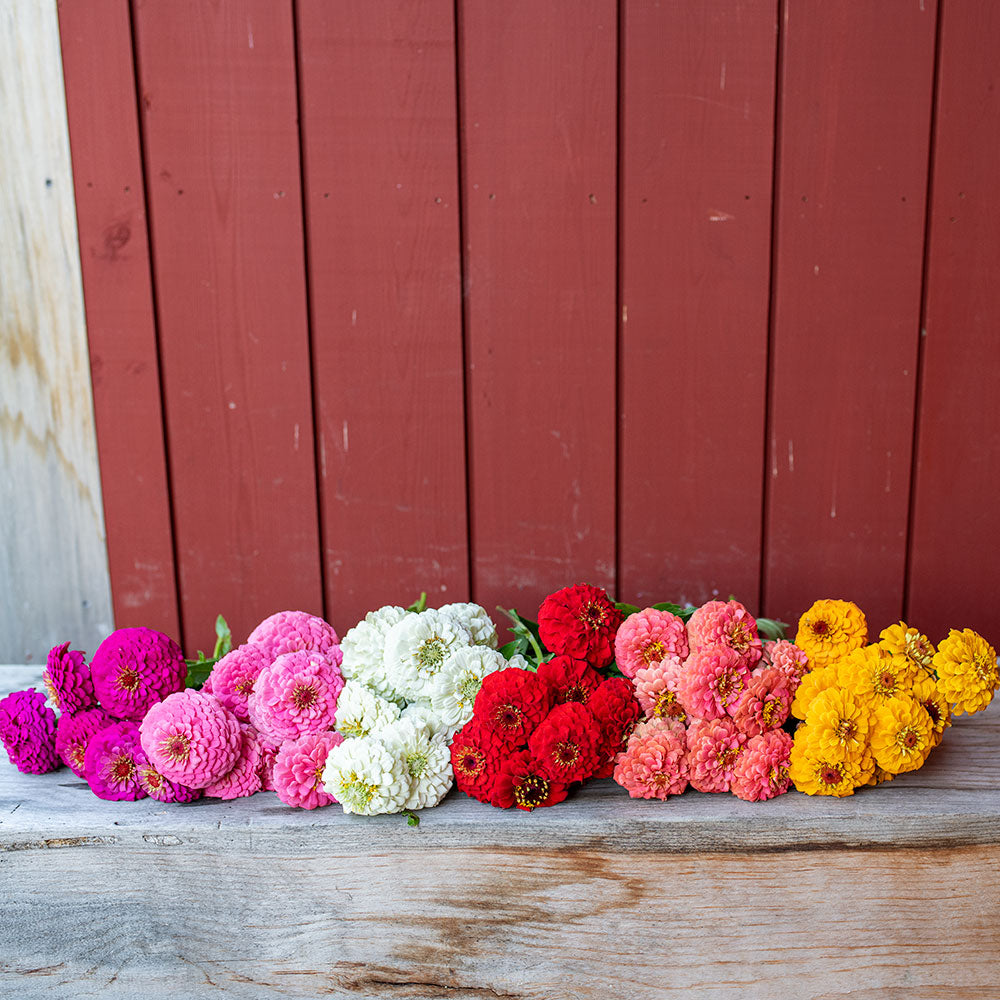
<point x="966" y="666"/>
<point x="926" y="691"/>
<point x="876" y="676"/>
<point x="839" y="724"/>
<point x="812" y="683"/>
<point x="903" y="735"/>
<point x="817" y="773"/>
<point x="831" y="629"/>
<point x="904" y="640"/>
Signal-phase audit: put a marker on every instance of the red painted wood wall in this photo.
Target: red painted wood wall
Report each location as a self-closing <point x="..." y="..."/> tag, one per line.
<point x="486" y="299"/>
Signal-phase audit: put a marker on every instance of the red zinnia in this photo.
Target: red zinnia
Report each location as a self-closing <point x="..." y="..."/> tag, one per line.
<point x="581" y="622"/>
<point x="567" y="745"/>
<point x="571" y="680"/>
<point x="511" y="703"/>
<point x="615" y="707"/>
<point x="521" y="783"/>
<point x="476" y="755"/>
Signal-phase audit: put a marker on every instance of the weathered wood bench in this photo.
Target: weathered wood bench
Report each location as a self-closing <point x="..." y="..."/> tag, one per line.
<point x="892" y="893"/>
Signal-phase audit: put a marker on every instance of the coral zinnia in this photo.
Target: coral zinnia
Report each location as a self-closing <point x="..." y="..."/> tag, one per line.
<point x="191" y="738"/>
<point x="831" y="629"/>
<point x="725" y="623"/>
<point x="654" y="764"/>
<point x="714" y="746"/>
<point x="73" y="733"/>
<point x="966" y="666"/>
<point x="647" y="637"/>
<point x="761" y="771"/>
<point x="656" y="687"/>
<point x="512" y="703"/>
<point x="296" y="694"/>
<point x="765" y="703"/>
<point x="298" y="770"/>
<point x="135" y="668"/>
<point x="713" y="681"/>
<point x="566" y="745"/>
<point x="111" y="763"/>
<point x="521" y="783"/>
<point x="581" y="622"/>
<point x="28" y="732"/>
<point x="67" y="680"/>
<point x="786" y="656"/>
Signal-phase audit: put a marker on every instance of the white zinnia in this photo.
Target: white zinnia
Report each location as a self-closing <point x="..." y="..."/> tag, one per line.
<point x="363" y="649"/>
<point x="427" y="760"/>
<point x="477" y="620"/>
<point x="453" y="689"/>
<point x="361" y="712"/>
<point x="417" y="646"/>
<point x="366" y="777"/>
<point x="422" y="714"/>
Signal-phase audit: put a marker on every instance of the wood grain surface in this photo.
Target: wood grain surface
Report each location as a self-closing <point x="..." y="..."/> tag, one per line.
<point x="53" y="563"/>
<point x="894" y="892"/>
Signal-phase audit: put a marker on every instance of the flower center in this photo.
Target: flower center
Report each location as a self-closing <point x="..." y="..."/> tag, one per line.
<point x="244" y="686"/>
<point x="77" y="753"/>
<point x="355" y="793"/>
<point x="768" y="712"/>
<point x="416" y="762"/>
<point x="918" y="649"/>
<point x="121" y="769"/>
<point x="592" y="616"/>
<point x="830" y="774"/>
<point x="820" y="628"/>
<point x="471" y="762"/>
<point x="985" y="669"/>
<point x="151" y="778"/>
<point x="576" y="692"/>
<point x="176" y="747"/>
<point x="468" y="688"/>
<point x="933" y="711"/>
<point x="740" y="638"/>
<point x="666" y="705"/>
<point x="431" y="654"/>
<point x="725" y="756"/>
<point x="728" y="685"/>
<point x="507" y="717"/>
<point x="909" y="738"/>
<point x="566" y="754"/>
<point x="776" y="776"/>
<point x="128" y="679"/>
<point x="304" y="696"/>
<point x="654" y="652"/>
<point x="886" y="682"/>
<point x="531" y="791"/>
<point x="846" y="730"/>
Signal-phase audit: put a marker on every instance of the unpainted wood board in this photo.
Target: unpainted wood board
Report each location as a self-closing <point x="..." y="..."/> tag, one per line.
<point x="380" y="152"/>
<point x="956" y="521"/>
<point x="53" y="561"/>
<point x="219" y="110"/>
<point x="697" y="141"/>
<point x="538" y="101"/>
<point x="121" y="331"/>
<point x="854" y="128"/>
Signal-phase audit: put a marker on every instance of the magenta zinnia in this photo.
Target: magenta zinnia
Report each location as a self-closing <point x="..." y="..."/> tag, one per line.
<point x="67" y="680"/>
<point x="112" y="761"/>
<point x="28" y="732"/>
<point x="135" y="668"/>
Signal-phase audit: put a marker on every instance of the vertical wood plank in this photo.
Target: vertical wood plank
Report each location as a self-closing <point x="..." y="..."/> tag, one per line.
<point x="856" y="92"/>
<point x="381" y="178"/>
<point x="956" y="521"/>
<point x="53" y="560"/>
<point x="121" y="330"/>
<point x="219" y="108"/>
<point x="698" y="119"/>
<point x="538" y="96"/>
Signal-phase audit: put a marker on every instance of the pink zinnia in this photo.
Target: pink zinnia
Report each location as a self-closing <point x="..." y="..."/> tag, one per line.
<point x="786" y="656"/>
<point x="243" y="778"/>
<point x="725" y="623"/>
<point x="73" y="732"/>
<point x="268" y="753"/>
<point x="135" y="668"/>
<point x="714" y="746"/>
<point x="111" y="763"/>
<point x="190" y="738"/>
<point x="654" y="764"/>
<point x="234" y="675"/>
<point x="67" y="680"/>
<point x="765" y="703"/>
<point x="295" y="695"/>
<point x="298" y="770"/>
<point x="288" y="631"/>
<point x="28" y="732"/>
<point x="762" y="769"/>
<point x="647" y="637"/>
<point x="713" y="680"/>
<point x="656" y="687"/>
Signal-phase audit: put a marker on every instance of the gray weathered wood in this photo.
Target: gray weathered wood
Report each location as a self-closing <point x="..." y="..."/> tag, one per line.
<point x="894" y="891"/>
<point x="53" y="561"/>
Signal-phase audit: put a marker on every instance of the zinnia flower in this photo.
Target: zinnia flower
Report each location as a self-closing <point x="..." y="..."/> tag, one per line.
<point x="966" y="666"/>
<point x="713" y="681"/>
<point x="365" y="777"/>
<point x="566" y="745"/>
<point x="191" y="738"/>
<point x="135" y="668"/>
<point x="831" y="629"/>
<point x="28" y="732"/>
<point x="876" y="676"/>
<point x="298" y="770"/>
<point x="648" y="637"/>
<point x="521" y="783"/>
<point x="570" y="680"/>
<point x="296" y="694"/>
<point x="902" y="735"/>
<point x="477" y="620"/>
<point x="839" y="724"/>
<point x="812" y="684"/>
<point x="903" y="640"/>
<point x="427" y="761"/>
<point x="761" y="771"/>
<point x="725" y="623"/>
<point x="818" y="773"/>
<point x="926" y="691"/>
<point x="233" y="677"/>
<point x="615" y="707"/>
<point x="765" y="703"/>
<point x="452" y="690"/>
<point x="361" y="712"/>
<point x="243" y="778"/>
<point x="713" y="746"/>
<point x="654" y="764"/>
<point x="657" y="686"/>
<point x="112" y="760"/>
<point x="364" y="650"/>
<point x="512" y="703"/>
<point x="73" y="732"/>
<point x="580" y="622"/>
<point x="291" y="631"/>
<point x="67" y="680"/>
<point x="417" y="646"/>
<point x="787" y="657"/>
<point x="157" y="787"/>
<point x="476" y="755"/>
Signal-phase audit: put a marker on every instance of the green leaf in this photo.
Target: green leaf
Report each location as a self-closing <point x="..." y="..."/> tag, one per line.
<point x="412" y="819"/>
<point x="526" y="629"/>
<point x="420" y="604"/>
<point x="674" y="609"/>
<point x="627" y="609"/>
<point x="198" y="671"/>
<point x="513" y="648"/>
<point x="224" y="638"/>
<point x="771" y="628"/>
